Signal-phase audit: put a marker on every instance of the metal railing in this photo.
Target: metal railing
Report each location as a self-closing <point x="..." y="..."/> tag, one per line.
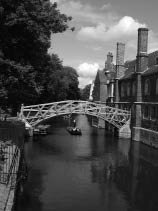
<point x="9" y="162"/>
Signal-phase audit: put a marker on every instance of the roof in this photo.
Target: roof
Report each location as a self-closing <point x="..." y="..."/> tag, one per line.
<point x="151" y="60"/>
<point x="152" y="68"/>
<point x="127" y="75"/>
<point x="129" y="64"/>
<point x="102" y="76"/>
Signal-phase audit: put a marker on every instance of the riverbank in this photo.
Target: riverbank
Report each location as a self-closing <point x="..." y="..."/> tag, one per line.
<point x="11" y="147"/>
<point x="8" y="177"/>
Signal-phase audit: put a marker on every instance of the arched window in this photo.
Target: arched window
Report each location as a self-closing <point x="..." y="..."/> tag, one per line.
<point x="157" y="86"/>
<point x="128" y="88"/>
<point x="134" y="88"/>
<point x="147" y="87"/>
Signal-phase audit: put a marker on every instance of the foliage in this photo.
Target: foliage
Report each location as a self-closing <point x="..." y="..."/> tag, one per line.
<point x="27" y="73"/>
<point x="70" y="78"/>
<point x="85" y="92"/>
<point x="61" y="83"/>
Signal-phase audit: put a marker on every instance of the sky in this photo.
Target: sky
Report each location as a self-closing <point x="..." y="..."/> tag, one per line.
<point x="99" y="25"/>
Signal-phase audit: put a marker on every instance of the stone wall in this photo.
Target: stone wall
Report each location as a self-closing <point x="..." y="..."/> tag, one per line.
<point x="146" y="136"/>
<point x="103" y="93"/>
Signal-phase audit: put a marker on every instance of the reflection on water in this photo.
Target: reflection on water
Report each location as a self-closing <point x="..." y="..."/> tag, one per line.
<point x="94" y="171"/>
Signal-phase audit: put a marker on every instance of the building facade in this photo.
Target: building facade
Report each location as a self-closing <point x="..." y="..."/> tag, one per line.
<point x="138" y="91"/>
<point x="133" y="85"/>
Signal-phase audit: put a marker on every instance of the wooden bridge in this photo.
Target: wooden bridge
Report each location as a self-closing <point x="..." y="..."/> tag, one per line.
<point x="34" y="114"/>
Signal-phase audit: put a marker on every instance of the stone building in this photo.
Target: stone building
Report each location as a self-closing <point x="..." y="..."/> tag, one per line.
<point x="137" y="89"/>
<point x="133" y="85"/>
<point x="103" y="78"/>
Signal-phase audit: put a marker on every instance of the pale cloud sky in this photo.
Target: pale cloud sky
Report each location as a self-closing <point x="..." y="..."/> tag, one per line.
<point x="124" y="29"/>
<point x="87" y="73"/>
<point x="99" y="26"/>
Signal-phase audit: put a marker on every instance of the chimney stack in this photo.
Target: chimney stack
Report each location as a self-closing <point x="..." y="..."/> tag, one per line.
<point x="109" y="58"/>
<point x="141" y="66"/>
<point x="142" y="49"/>
<point x="109" y="61"/>
<point x="120" y="69"/>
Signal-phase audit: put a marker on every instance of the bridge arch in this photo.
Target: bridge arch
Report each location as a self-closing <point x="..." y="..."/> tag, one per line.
<point x="34" y="114"/>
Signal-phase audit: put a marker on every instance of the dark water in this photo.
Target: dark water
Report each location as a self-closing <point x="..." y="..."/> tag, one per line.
<point x="92" y="172"/>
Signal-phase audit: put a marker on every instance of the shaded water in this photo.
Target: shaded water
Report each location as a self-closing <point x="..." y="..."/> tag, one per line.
<point x="94" y="171"/>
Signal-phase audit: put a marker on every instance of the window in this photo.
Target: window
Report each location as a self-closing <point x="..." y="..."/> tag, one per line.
<point x="122" y="90"/>
<point x="134" y="88"/>
<point x="146" y="112"/>
<point x="128" y="89"/>
<point x="153" y="112"/>
<point x="147" y="87"/>
<point x="157" y="86"/>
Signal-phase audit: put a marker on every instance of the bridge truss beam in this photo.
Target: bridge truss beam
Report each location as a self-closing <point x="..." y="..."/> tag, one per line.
<point x="34" y="114"/>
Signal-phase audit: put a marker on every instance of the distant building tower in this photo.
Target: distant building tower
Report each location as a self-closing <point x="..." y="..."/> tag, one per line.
<point x="102" y="80"/>
<point x="120" y="68"/>
<point x="91" y="91"/>
<point x="102" y="91"/>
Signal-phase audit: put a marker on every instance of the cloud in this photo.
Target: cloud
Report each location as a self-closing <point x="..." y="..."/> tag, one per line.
<point x="87" y="73"/>
<point x="85" y="13"/>
<point x="101" y="27"/>
<point x="106" y="6"/>
<point x="124" y="29"/>
<point x="153" y="41"/>
<point x="57" y="1"/>
<point x="96" y="48"/>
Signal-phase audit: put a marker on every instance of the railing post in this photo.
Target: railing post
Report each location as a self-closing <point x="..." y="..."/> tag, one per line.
<point x="21" y="112"/>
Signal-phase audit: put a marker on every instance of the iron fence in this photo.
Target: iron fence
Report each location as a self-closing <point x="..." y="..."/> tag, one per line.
<point x="9" y="161"/>
<point x="11" y="152"/>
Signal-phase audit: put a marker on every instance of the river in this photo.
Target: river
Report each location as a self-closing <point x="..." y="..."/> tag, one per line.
<point x="92" y="172"/>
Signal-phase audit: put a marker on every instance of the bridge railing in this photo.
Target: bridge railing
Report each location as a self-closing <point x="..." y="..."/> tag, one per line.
<point x="36" y="113"/>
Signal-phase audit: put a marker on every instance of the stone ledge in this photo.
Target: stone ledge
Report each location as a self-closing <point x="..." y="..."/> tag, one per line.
<point x="146" y="136"/>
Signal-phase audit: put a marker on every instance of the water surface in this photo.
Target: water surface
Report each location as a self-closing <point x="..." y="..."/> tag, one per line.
<point x="91" y="172"/>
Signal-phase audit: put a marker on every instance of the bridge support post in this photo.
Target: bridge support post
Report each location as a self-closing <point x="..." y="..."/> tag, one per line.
<point x="101" y="123"/>
<point x="28" y="127"/>
<point x="21" y="112"/>
<point x="97" y="122"/>
<point x="125" y="131"/>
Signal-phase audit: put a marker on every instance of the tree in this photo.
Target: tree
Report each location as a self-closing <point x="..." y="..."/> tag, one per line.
<point x="85" y="92"/>
<point x="61" y="82"/>
<point x="70" y="77"/>
<point x="26" y="27"/>
<point x="51" y="79"/>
